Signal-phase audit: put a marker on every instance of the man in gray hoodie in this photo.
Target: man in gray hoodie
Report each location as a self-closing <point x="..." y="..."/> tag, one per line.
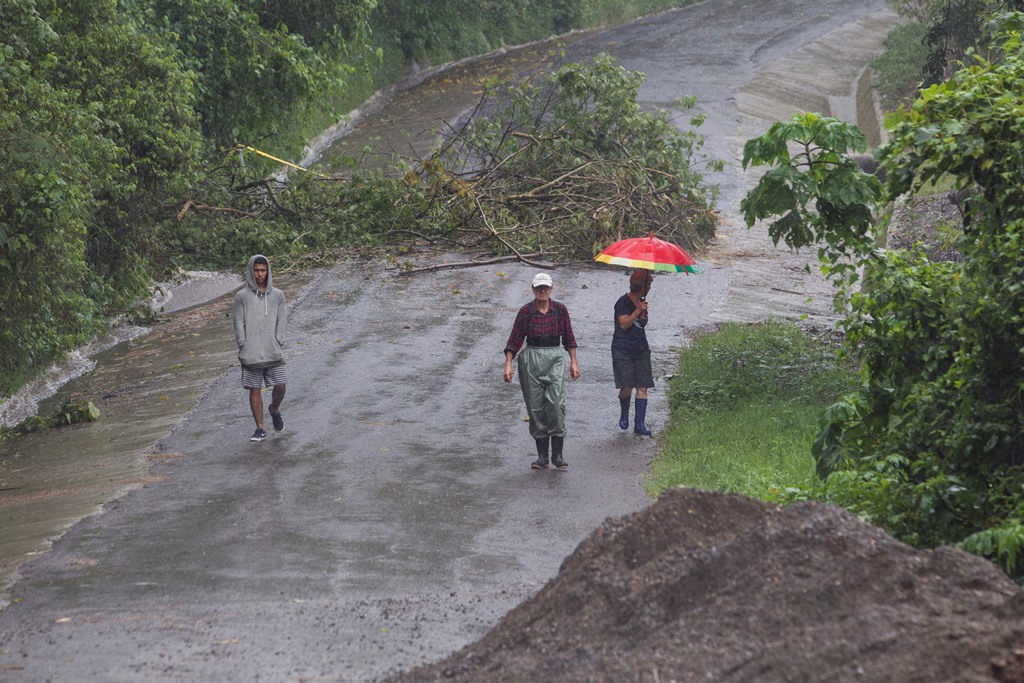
<point x="261" y="321"/>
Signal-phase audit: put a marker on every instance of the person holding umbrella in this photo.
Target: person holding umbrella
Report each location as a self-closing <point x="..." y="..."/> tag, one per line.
<point x="631" y="356"/>
<point x="544" y="325"/>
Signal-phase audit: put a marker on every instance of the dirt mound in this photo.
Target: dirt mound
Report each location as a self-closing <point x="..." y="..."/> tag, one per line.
<point x="707" y="586"/>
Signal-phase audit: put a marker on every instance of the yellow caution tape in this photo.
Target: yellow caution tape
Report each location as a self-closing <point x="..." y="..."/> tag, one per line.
<point x="280" y="161"/>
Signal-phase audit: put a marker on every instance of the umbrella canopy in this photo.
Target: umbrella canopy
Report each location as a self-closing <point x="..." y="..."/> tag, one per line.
<point x="649" y="253"/>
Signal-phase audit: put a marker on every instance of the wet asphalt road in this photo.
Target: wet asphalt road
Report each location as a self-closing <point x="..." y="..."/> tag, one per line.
<point x="396" y="518"/>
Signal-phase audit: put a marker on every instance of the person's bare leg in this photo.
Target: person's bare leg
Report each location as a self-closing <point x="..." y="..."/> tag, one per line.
<point x="256" y="405"/>
<point x="277" y="397"/>
<point x="275" y="407"/>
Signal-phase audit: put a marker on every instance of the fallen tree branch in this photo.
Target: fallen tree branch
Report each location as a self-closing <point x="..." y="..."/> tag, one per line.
<point x="198" y="206"/>
<point x="483" y="216"/>
<point x="468" y="264"/>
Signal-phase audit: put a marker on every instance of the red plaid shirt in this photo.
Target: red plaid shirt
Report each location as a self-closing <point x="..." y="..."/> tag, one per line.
<point x="530" y="322"/>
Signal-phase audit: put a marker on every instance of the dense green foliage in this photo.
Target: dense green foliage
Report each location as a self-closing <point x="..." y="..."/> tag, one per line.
<point x="820" y="195"/>
<point x="438" y="32"/>
<point x="143" y="145"/>
<point x="96" y="130"/>
<point x="258" y="64"/>
<point x="114" y="112"/>
<point x="898" y="67"/>
<point x="744" y="405"/>
<point x="930" y="446"/>
<point x="952" y="30"/>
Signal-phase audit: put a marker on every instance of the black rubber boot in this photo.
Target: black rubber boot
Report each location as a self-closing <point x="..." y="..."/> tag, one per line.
<point x="556" y="453"/>
<point x="624" y="412"/>
<point x="541" y="463"/>
<point x="640" y="421"/>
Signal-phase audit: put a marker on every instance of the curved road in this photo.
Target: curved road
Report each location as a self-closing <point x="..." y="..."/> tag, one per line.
<point x="396" y="518"/>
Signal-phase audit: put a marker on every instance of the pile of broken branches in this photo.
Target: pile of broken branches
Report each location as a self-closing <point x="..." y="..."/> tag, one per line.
<point x="543" y="180"/>
<point x="535" y="174"/>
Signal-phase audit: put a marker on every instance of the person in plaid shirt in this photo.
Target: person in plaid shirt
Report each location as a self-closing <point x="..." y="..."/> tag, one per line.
<point x="544" y="325"/>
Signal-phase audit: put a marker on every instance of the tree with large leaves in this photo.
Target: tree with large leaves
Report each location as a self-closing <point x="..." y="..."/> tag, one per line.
<point x="932" y="447"/>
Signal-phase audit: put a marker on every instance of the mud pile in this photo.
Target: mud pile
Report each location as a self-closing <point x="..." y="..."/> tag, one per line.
<point x="715" y="587"/>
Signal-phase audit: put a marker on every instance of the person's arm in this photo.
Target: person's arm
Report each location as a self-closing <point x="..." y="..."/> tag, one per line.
<point x="626" y="321"/>
<point x="507" y="374"/>
<point x="282" y="321"/>
<point x="238" y="314"/>
<point x="569" y="341"/>
<point x="515" y="341"/>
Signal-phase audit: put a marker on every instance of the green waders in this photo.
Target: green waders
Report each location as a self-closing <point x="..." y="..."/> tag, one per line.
<point x="542" y="378"/>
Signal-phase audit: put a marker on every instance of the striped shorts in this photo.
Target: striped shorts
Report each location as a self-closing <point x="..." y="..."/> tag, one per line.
<point x="255" y="378"/>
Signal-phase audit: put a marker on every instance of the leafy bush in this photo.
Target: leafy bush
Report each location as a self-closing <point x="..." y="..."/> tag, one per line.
<point x="144" y="143"/>
<point x="815" y="192"/>
<point x="930" y="446"/>
<point x="950" y="32"/>
<point x="1003" y="545"/>
<point x="253" y="70"/>
<point x="566" y="166"/>
<point x="44" y="219"/>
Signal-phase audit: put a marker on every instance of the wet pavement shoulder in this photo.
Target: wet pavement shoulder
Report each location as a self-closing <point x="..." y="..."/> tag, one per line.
<point x="144" y="387"/>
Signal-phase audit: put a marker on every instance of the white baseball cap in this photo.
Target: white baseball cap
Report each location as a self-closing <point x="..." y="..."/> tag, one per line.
<point x="541" y="280"/>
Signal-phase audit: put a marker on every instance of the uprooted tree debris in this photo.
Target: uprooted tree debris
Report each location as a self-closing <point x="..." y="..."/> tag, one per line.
<point x="550" y="172"/>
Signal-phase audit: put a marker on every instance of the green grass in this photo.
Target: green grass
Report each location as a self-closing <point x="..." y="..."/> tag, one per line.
<point x="744" y="407"/>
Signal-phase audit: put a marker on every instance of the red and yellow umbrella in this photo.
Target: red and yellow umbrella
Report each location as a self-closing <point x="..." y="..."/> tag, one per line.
<point x="649" y="253"/>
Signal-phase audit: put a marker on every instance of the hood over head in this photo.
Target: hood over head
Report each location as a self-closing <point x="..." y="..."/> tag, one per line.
<point x="250" y="279"/>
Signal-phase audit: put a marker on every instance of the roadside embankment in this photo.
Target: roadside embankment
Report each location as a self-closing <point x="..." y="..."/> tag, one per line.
<point x="830" y="76"/>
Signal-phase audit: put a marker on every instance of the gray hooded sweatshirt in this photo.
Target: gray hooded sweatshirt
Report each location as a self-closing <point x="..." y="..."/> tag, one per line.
<point x="261" y="321"/>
